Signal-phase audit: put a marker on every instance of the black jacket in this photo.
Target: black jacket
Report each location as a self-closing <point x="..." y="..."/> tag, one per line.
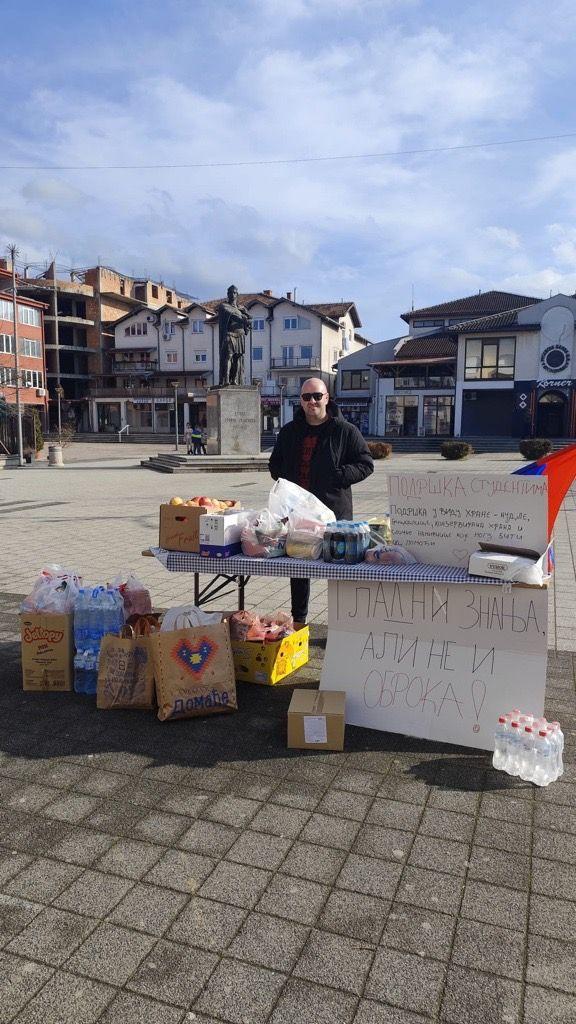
<point x="341" y="458"/>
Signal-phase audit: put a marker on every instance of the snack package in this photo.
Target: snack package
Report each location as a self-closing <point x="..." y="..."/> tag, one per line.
<point x="250" y="626"/>
<point x="55" y="591"/>
<point x="305" y="543"/>
<point x="389" y="554"/>
<point x="264" y="536"/>
<point x="380" y="529"/>
<point x="240" y="623"/>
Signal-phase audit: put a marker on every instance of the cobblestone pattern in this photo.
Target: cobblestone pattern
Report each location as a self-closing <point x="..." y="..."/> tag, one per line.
<point x="197" y="871"/>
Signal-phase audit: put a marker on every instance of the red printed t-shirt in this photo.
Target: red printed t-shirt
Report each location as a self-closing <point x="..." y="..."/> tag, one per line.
<point x="307" y="448"/>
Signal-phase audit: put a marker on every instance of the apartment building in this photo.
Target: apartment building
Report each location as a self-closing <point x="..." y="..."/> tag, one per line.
<point x="83" y="306"/>
<point x="31" y="354"/>
<point x="155" y="349"/>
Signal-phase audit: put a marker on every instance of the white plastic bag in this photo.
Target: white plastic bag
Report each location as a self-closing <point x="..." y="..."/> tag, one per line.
<point x="188" y="616"/>
<point x="55" y="590"/>
<point x="135" y="594"/>
<point x="287" y="498"/>
<point x="264" y="536"/>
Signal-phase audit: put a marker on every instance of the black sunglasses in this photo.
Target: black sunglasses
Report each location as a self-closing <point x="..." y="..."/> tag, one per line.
<point x="316" y="395"/>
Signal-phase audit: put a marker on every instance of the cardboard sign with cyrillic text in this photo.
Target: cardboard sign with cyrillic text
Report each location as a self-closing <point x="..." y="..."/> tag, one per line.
<point x="440" y="661"/>
<point x="442" y="518"/>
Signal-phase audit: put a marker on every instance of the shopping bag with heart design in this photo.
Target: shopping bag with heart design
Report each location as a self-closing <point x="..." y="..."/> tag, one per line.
<point x="194" y="672"/>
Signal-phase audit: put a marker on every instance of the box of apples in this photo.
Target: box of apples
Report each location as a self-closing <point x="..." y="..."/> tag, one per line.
<point x="180" y="521"/>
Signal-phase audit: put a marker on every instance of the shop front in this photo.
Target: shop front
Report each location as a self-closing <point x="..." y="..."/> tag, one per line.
<point x="270" y="409"/>
<point x="357" y="411"/>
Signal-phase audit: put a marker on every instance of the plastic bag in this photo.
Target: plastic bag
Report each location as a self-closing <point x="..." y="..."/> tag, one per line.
<point x="287" y="498"/>
<point x="135" y="594"/>
<point x="264" y="536"/>
<point x="305" y="543"/>
<point x="188" y="616"/>
<point x="389" y="554"/>
<point x="55" y="590"/>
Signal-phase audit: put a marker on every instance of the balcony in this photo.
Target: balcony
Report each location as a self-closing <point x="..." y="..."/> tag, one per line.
<point x="295" y="363"/>
<point x="151" y="392"/>
<point x="149" y="366"/>
<point x="80" y="321"/>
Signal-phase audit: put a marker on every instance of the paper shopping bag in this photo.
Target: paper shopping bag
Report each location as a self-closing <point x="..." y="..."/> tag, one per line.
<point x="126" y="669"/>
<point x="194" y="672"/>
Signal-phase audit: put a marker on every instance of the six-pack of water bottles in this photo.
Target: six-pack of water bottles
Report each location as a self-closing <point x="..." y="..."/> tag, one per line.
<point x="529" y="747"/>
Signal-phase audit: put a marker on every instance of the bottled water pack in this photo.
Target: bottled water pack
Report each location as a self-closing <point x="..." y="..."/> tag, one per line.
<point x="97" y="611"/>
<point x="529" y="747"/>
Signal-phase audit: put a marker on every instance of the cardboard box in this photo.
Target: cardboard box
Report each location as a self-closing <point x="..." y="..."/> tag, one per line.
<point x="316" y="720"/>
<point x="180" y="527"/>
<point x="220" y="533"/>
<point x="268" y="663"/>
<point x="47" y="651"/>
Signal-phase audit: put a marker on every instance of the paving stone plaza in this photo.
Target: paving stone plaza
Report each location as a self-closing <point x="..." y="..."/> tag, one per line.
<point x="198" y="871"/>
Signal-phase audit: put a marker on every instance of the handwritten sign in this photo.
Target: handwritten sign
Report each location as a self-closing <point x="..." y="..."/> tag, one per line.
<point x="442" y="518"/>
<point x="440" y="661"/>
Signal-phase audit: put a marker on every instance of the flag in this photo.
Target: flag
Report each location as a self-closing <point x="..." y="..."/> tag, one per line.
<point x="560" y="469"/>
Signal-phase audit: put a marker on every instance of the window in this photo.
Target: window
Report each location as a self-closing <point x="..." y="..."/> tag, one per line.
<point x="144" y="328"/>
<point x="355" y="380"/>
<point x="126" y="332"/>
<point x="5" y="309"/>
<point x="140" y="292"/>
<point x="429" y="323"/>
<point x="7" y="376"/>
<point x="132" y="328"/>
<point x="168" y="296"/>
<point x="30" y="316"/>
<point x="122" y="286"/>
<point x="438" y="415"/>
<point x="290" y="323"/>
<point x="257" y="353"/>
<point x="154" y="291"/>
<point x="258" y="325"/>
<point x="6" y="343"/>
<point x="30" y="347"/>
<point x="287" y="354"/>
<point x="197" y="327"/>
<point x="402" y="415"/>
<point x="306" y="352"/>
<point x="171" y="357"/>
<point x="489" y="359"/>
<point x="200" y="357"/>
<point x="138" y="328"/>
<point x="32" y="379"/>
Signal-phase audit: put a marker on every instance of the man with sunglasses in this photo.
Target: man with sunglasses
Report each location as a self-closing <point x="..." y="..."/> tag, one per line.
<point x="325" y="454"/>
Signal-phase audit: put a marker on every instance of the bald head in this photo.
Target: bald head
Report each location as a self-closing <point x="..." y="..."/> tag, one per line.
<point x="314" y="401"/>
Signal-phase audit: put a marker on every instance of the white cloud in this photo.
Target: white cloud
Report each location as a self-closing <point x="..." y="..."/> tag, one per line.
<point x="450" y="223"/>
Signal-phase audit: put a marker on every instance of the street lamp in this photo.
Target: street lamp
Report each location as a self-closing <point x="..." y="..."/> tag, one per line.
<point x="174" y="384"/>
<point x="59" y="390"/>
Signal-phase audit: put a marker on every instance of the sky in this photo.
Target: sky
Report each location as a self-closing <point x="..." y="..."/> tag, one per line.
<point x="212" y="81"/>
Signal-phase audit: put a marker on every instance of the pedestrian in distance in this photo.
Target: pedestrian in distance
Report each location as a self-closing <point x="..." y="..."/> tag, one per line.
<point x="188" y="439"/>
<point x="326" y="455"/>
<point x="203" y="440"/>
<point x="196" y="439"/>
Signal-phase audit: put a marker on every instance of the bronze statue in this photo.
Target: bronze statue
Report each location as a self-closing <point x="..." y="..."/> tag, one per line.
<point x="234" y="324"/>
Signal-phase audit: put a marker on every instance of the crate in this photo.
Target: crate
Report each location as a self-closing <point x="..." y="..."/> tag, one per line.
<point x="269" y="663"/>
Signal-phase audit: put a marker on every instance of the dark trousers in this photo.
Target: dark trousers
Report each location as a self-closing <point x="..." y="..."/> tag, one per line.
<point x="300" y="591"/>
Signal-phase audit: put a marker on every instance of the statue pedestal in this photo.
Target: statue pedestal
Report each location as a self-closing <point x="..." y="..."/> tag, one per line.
<point x="233" y="420"/>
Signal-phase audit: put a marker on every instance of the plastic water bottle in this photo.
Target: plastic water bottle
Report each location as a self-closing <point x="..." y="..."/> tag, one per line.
<point x="543" y="770"/>
<point x="501" y="737"/>
<point x="512" y="765"/>
<point x="527" y="759"/>
<point x="556" y="737"/>
<point x="80" y="639"/>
